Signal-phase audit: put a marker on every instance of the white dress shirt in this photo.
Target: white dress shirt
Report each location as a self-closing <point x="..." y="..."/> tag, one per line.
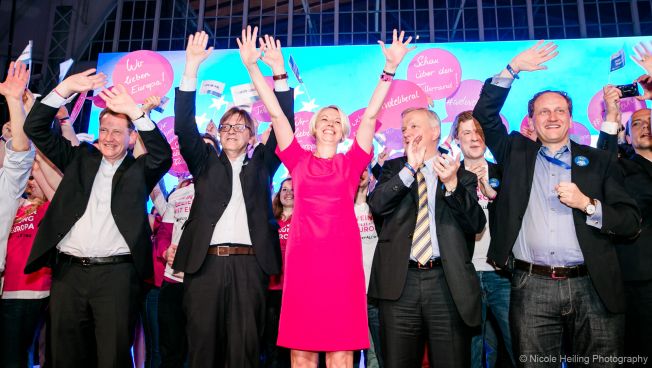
<point x="96" y="234"/>
<point x="13" y="179"/>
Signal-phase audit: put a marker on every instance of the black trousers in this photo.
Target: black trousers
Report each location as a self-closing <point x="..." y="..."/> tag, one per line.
<point x="173" y="346"/>
<point x="225" y="309"/>
<point x="93" y="312"/>
<point x="638" y="319"/>
<point x="20" y="321"/>
<point x="425" y="313"/>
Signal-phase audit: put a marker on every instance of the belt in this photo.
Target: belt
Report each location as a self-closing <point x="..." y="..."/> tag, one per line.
<point x="429" y="265"/>
<point x="552" y="272"/>
<point x="230" y="249"/>
<point x="94" y="261"/>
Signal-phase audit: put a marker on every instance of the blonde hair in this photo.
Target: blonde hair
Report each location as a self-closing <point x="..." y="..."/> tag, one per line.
<point x="344" y="119"/>
<point x="432" y="116"/>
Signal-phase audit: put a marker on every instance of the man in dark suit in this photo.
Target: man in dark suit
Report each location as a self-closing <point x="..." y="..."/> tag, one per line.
<point x="494" y="283"/>
<point x="558" y="208"/>
<point x="95" y="234"/>
<point x="422" y="272"/>
<point x="635" y="256"/>
<point x="230" y="243"/>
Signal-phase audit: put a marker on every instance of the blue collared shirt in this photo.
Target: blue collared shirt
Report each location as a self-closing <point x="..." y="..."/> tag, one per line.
<point x="547" y="235"/>
<point x="431" y="183"/>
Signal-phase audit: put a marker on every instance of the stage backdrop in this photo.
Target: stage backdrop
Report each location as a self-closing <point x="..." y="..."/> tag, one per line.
<point x="446" y="76"/>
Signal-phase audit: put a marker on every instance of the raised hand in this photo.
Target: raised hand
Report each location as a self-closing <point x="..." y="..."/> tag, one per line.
<point x="196" y="53"/>
<point x="118" y="100"/>
<point x="17" y="77"/>
<point x="446" y="168"/>
<point x="483" y="181"/>
<point x="383" y="156"/>
<point x="396" y="51"/>
<point x="81" y="82"/>
<point x="533" y="58"/>
<point x="28" y="100"/>
<point x="150" y="103"/>
<point x="272" y="55"/>
<point x="643" y="56"/>
<point x="611" y="99"/>
<point x="416" y="152"/>
<point x="211" y="129"/>
<point x="248" y="52"/>
<point x="645" y="81"/>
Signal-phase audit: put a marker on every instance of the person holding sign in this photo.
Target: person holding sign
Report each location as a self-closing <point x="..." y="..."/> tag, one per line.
<point x="560" y="206"/>
<point x="324" y="300"/>
<point x="230" y="243"/>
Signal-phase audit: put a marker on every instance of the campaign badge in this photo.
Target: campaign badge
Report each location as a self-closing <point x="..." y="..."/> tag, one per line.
<point x="494" y="183"/>
<point x="581" y="161"/>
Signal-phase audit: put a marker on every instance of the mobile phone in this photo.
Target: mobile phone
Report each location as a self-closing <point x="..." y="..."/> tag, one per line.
<point x="629" y="90"/>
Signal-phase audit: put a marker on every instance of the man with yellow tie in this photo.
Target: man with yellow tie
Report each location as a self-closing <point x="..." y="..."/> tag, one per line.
<point x="422" y="271"/>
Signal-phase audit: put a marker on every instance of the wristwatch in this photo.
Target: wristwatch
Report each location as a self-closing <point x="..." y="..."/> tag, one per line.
<point x="590" y="208"/>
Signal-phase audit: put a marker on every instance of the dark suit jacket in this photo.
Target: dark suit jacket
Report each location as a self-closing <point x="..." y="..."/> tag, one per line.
<point x="600" y="180"/>
<point x="458" y="218"/>
<point x="132" y="183"/>
<point x="495" y="172"/>
<point x="213" y="184"/>
<point x="635" y="255"/>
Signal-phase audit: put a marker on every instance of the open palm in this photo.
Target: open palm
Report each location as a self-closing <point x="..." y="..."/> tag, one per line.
<point x="397" y="50"/>
<point x="196" y="51"/>
<point x="16" y="82"/>
<point x="247" y="44"/>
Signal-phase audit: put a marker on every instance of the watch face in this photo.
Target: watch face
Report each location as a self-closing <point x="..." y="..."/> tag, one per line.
<point x="590" y="209"/>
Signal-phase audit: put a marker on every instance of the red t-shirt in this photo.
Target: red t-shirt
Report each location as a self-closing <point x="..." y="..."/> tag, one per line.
<point x="276" y="281"/>
<point x="18" y="285"/>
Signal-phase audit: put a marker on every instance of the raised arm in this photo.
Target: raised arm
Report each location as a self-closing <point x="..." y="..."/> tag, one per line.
<point x="67" y="131"/>
<point x="250" y="55"/>
<point x="608" y="138"/>
<point x="495" y="91"/>
<point x="158" y="156"/>
<point x="393" y="57"/>
<point x="643" y="56"/>
<point x="37" y="125"/>
<point x="192" y="146"/>
<point x="13" y="89"/>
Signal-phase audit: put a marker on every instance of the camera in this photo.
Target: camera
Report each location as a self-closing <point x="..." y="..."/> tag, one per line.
<point x="629" y="90"/>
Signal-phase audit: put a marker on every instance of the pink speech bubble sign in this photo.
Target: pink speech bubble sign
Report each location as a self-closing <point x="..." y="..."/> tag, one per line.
<point x="401" y="95"/>
<point x="259" y="111"/>
<point x="356" y="118"/>
<point x="596" y="109"/>
<point x="580" y="134"/>
<point x="392" y="138"/>
<point x="179" y="167"/>
<point x="463" y="99"/>
<point x="436" y="71"/>
<point x="144" y="73"/>
<point x="302" y="130"/>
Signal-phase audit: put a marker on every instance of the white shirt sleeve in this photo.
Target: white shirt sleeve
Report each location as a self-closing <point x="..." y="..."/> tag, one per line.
<point x="188" y="84"/>
<point x="13" y="179"/>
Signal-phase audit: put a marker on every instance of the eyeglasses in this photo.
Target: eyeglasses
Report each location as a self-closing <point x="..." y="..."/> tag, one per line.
<point x="224" y="128"/>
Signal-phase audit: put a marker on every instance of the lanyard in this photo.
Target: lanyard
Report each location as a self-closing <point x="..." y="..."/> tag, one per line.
<point x="555" y="161"/>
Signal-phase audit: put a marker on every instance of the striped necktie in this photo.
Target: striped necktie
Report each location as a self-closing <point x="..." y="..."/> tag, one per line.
<point x="421" y="242"/>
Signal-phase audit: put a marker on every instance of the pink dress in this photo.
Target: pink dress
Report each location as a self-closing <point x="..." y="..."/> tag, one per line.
<point x="324" y="304"/>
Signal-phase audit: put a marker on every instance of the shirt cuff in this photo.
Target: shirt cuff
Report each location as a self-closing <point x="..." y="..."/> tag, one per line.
<point x="20" y="158"/>
<point x="188" y="84"/>
<point x="609" y="127"/>
<point x="502" y="81"/>
<point x="54" y="100"/>
<point x="144" y="124"/>
<point x="281" y="85"/>
<point x="406" y="177"/>
<point x="595" y="219"/>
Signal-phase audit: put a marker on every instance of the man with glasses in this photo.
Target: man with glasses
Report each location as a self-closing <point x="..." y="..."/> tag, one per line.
<point x="230" y="243"/>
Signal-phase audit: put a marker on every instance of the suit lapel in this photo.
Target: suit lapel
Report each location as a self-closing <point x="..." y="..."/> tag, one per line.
<point x="644" y="163"/>
<point x="129" y="159"/>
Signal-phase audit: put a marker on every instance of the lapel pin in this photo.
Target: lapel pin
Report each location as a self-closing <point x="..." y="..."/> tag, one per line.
<point x="581" y="161"/>
<point x="494" y="183"/>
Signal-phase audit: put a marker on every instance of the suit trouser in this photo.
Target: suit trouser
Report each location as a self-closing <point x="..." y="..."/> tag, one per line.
<point x="425" y="312"/>
<point x="20" y="321"/>
<point x="638" y="319"/>
<point x="173" y="344"/>
<point x="225" y="309"/>
<point x="93" y="312"/>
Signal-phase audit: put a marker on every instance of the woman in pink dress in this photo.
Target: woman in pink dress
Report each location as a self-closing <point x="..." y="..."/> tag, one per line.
<point x="324" y="300"/>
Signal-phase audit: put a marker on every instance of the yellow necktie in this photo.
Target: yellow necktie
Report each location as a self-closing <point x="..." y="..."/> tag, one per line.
<point x="421" y="242"/>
